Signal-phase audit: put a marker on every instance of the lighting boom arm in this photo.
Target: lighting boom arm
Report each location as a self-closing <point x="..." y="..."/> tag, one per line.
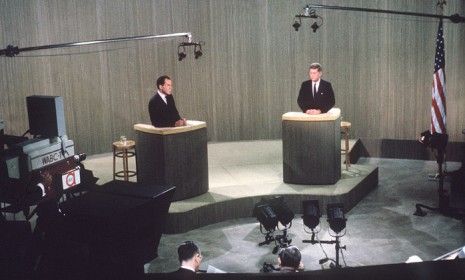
<point x="12" y="51"/>
<point x="455" y="18"/>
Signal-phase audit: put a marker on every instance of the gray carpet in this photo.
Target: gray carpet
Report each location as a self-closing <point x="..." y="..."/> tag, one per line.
<point x="380" y="229"/>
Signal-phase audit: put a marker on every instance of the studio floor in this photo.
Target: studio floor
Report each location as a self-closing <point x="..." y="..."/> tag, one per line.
<point x="381" y="229"/>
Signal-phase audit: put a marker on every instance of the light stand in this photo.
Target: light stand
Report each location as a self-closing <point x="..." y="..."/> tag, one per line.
<point x="270" y="213"/>
<point x="268" y="237"/>
<point x="337" y="223"/>
<point x="280" y="241"/>
<point x="438" y="143"/>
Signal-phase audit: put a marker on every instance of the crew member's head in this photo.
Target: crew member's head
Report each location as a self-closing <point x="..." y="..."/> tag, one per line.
<point x="290" y="257"/>
<point x="189" y="255"/>
<point x="164" y="84"/>
<point x="315" y="72"/>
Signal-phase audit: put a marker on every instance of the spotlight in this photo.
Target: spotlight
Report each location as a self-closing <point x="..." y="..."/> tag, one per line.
<point x="434" y="140"/>
<point x="336" y="219"/>
<point x="296" y="25"/>
<point x="283" y="212"/>
<point x="270" y="213"/>
<point x="308" y="12"/>
<point x="181" y="52"/>
<point x="198" y="51"/>
<point x="311" y="213"/>
<point x="265" y="216"/>
<point x="314" y="27"/>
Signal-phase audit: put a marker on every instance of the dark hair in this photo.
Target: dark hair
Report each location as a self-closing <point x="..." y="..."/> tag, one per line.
<point x="161" y="80"/>
<point x="187" y="250"/>
<point x="316" y="66"/>
<point x="290" y="257"/>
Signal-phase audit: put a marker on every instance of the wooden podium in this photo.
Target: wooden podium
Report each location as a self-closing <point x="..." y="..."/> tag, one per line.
<point x="312" y="148"/>
<point x="173" y="156"/>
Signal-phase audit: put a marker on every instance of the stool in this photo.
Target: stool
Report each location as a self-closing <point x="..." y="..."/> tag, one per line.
<point x="124" y="150"/>
<point x="345" y="127"/>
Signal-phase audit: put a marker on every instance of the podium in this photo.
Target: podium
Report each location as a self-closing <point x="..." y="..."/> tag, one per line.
<point x="173" y="156"/>
<point x="312" y="148"/>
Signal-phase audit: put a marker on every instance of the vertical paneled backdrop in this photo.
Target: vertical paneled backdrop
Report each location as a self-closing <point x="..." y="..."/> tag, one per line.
<point x="250" y="74"/>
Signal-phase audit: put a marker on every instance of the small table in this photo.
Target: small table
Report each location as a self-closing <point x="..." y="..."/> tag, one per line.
<point x="124" y="149"/>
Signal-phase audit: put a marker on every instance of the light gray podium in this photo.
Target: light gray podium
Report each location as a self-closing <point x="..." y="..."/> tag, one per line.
<point x="312" y="148"/>
<point x="174" y="156"/>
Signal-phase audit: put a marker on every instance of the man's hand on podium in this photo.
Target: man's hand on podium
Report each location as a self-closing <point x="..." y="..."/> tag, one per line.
<point x="313" y="111"/>
<point x="181" y="122"/>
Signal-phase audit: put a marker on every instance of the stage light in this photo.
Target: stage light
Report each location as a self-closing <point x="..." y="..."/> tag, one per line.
<point x="181" y="52"/>
<point x="308" y="12"/>
<point x="198" y="51"/>
<point x="311" y="213"/>
<point x="296" y="25"/>
<point x="434" y="140"/>
<point x="269" y="213"/>
<point x="336" y="219"/>
<point x="314" y="26"/>
<point x="283" y="212"/>
<point x="265" y="216"/>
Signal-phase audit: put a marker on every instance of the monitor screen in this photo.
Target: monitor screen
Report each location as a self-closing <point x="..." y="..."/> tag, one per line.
<point x="46" y="115"/>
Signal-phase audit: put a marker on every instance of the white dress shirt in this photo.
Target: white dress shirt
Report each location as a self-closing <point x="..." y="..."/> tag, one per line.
<point x="317" y="86"/>
<point x="163" y="96"/>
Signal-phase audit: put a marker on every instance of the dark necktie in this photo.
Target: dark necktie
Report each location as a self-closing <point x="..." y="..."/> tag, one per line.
<point x="314" y="90"/>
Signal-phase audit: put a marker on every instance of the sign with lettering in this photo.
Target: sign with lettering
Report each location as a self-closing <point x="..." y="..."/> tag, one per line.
<point x="71" y="178"/>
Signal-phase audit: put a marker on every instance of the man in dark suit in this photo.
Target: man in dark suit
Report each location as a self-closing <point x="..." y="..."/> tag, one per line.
<point x="316" y="96"/>
<point x="162" y="109"/>
<point x="289" y="259"/>
<point x="190" y="258"/>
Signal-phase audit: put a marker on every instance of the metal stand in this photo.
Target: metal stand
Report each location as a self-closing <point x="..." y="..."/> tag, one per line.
<point x="281" y="241"/>
<point x="338" y="247"/>
<point x="443" y="207"/>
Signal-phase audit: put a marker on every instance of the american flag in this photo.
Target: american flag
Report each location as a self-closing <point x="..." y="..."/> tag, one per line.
<point x="438" y="106"/>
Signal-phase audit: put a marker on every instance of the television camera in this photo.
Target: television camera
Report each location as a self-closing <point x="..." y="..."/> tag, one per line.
<point x="44" y="166"/>
<point x="36" y="173"/>
<point x="83" y="231"/>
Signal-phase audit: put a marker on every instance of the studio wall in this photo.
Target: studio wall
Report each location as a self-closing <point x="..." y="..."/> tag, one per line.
<point x="250" y="74"/>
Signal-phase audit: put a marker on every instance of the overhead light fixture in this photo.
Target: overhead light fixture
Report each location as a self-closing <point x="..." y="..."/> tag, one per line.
<point x="297" y="24"/>
<point x="181" y="52"/>
<point x="308" y="12"/>
<point x="197" y="51"/>
<point x="315" y="26"/>
<point x="336" y="218"/>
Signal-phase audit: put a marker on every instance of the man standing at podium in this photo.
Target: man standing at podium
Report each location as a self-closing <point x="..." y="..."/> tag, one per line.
<point x="316" y="96"/>
<point x="162" y="109"/>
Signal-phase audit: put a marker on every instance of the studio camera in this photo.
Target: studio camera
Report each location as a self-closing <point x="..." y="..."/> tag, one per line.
<point x="42" y="165"/>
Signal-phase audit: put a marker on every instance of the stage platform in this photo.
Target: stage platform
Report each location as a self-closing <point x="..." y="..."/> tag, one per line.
<point x="241" y="174"/>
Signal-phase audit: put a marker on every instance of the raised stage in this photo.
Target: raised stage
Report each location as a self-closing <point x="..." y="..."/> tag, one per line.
<point x="241" y="173"/>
